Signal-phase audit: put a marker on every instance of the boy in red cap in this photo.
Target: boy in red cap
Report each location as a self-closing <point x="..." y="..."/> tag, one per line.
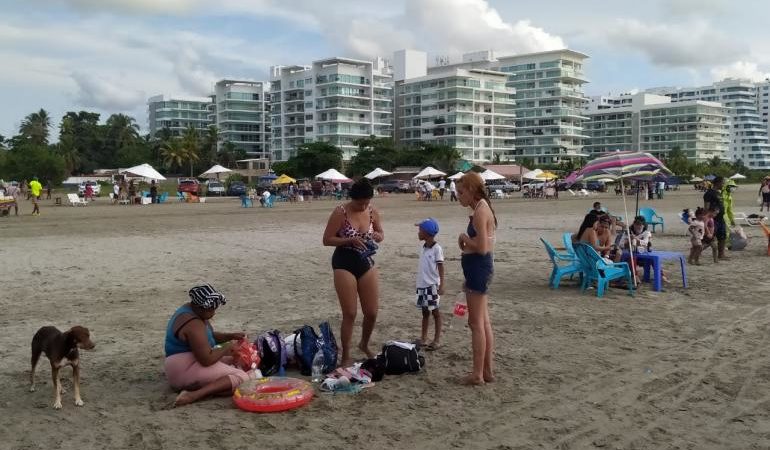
<point x="430" y="280"/>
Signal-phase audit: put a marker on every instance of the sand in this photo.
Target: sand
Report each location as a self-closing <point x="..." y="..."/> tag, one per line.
<point x="683" y="368"/>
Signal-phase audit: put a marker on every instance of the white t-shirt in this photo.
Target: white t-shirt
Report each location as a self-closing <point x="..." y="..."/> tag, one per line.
<point x="452" y="186"/>
<point x="427" y="271"/>
<point x="266" y="194"/>
<point x="441" y="184"/>
<point x="115" y="189"/>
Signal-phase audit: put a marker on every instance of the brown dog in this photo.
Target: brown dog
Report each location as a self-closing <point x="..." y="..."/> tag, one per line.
<point x="61" y="350"/>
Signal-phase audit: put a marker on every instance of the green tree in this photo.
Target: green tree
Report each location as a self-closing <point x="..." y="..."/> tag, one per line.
<point x="677" y="162"/>
<point x="229" y="154"/>
<point x="28" y="160"/>
<point x="122" y="131"/>
<point x="373" y="152"/>
<point x="83" y="142"/>
<point x="174" y="153"/>
<point x="191" y="147"/>
<point x="209" y="147"/>
<point x="35" y="128"/>
<point x="311" y="159"/>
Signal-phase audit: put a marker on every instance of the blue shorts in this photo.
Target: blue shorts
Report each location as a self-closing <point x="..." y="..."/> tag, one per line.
<point x="720" y="228"/>
<point x="478" y="270"/>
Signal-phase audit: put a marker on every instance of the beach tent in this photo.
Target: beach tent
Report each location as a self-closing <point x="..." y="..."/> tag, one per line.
<point x="738" y="176"/>
<point x="284" y="179"/>
<point x="430" y="172"/>
<point x="144" y="170"/>
<point x="216" y="169"/>
<point x="696" y="179"/>
<point x="376" y="173"/>
<point x="491" y="175"/>
<point x="532" y="175"/>
<point x="456" y="176"/>
<point x="333" y="175"/>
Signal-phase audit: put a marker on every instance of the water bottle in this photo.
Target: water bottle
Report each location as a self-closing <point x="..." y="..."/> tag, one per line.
<point x="317" y="369"/>
<point x="460" y="309"/>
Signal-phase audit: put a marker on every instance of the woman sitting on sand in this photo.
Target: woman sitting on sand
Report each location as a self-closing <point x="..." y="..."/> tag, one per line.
<point x="193" y="360"/>
<point x="477" y="245"/>
<point x="352" y="228"/>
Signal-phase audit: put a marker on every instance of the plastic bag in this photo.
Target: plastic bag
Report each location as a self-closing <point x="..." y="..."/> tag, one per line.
<point x="738" y="239"/>
<point x="246" y="355"/>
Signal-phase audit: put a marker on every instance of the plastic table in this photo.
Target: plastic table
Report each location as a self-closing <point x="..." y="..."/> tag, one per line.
<point x="653" y="260"/>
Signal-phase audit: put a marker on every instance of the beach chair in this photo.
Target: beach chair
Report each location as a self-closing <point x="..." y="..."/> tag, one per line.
<point x="572" y="192"/>
<point x="583" y="193"/>
<point x="595" y="268"/>
<point x="246" y="202"/>
<point x="652" y="218"/>
<point x="163" y="197"/>
<point x="568" y="246"/>
<point x="563" y="265"/>
<point x="500" y="194"/>
<point x="77" y="201"/>
<point x="753" y="221"/>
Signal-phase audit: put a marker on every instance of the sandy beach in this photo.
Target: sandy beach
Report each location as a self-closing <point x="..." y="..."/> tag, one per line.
<point x="683" y="368"/>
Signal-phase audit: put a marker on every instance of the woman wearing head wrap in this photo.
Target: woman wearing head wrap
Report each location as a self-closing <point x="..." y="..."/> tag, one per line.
<point x="195" y="364"/>
<point x="352" y="229"/>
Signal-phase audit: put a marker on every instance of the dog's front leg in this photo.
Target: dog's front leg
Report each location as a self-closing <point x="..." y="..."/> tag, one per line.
<point x="76" y="382"/>
<point x="56" y="387"/>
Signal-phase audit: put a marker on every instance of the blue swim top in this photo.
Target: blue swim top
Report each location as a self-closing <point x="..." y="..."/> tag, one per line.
<point x="175" y="345"/>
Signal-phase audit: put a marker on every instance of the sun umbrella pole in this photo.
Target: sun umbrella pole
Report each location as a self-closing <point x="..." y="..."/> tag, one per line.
<point x="628" y="234"/>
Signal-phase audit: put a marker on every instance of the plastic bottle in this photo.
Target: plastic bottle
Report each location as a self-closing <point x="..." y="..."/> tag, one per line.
<point x="460" y="310"/>
<point x="316" y="374"/>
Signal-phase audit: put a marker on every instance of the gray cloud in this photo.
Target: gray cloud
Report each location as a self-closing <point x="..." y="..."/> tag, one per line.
<point x="109" y="95"/>
<point x="687" y="44"/>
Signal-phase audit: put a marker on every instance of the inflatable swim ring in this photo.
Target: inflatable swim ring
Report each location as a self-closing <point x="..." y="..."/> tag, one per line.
<point x="272" y="394"/>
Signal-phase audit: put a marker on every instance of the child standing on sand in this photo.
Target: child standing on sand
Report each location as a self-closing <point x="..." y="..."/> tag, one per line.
<point x="696" y="230"/>
<point x="430" y="280"/>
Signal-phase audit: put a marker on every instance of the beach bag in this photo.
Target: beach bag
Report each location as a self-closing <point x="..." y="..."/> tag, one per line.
<point x="738" y="239"/>
<point x="400" y="357"/>
<point x="271" y="353"/>
<point x="306" y="344"/>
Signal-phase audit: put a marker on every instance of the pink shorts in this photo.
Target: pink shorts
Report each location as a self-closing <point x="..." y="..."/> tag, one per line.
<point x="183" y="371"/>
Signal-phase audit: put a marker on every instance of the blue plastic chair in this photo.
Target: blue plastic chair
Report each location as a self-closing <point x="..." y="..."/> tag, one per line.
<point x="246" y="201"/>
<point x="269" y="202"/>
<point x="163" y="197"/>
<point x="597" y="269"/>
<point x="567" y="239"/>
<point x="560" y="269"/>
<point x="652" y="218"/>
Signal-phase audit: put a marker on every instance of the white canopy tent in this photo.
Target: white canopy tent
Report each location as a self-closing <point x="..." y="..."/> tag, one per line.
<point x="738" y="176"/>
<point x="216" y="170"/>
<point x="144" y="170"/>
<point x="333" y="175"/>
<point x="491" y="175"/>
<point x="376" y="173"/>
<point x="696" y="179"/>
<point x="456" y="176"/>
<point x="532" y="174"/>
<point x="430" y="172"/>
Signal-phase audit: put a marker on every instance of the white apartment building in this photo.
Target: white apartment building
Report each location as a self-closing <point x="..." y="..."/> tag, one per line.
<point x="336" y="100"/>
<point x="748" y="134"/>
<point x="471" y="110"/>
<point x="177" y="114"/>
<point x="549" y="98"/>
<point x="240" y="111"/>
<point x="763" y="102"/>
<point x="654" y="124"/>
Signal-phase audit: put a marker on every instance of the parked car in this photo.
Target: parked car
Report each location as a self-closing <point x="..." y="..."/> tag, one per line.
<point x="216" y="188"/>
<point x="504" y="185"/>
<point x="237" y="188"/>
<point x="96" y="187"/>
<point x="391" y="186"/>
<point x="190" y="185"/>
<point x="596" y="186"/>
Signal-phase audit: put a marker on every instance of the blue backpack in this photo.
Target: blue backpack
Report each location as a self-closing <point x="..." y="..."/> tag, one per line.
<point x="309" y="342"/>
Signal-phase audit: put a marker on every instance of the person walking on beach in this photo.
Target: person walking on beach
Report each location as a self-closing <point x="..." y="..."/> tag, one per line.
<point x="764" y="194"/>
<point x="48" y="190"/>
<point x="452" y="191"/>
<point x="477" y="246"/>
<point x="353" y="228"/>
<point x="35" y="189"/>
<point x="430" y="280"/>
<point x="441" y="188"/>
<point x="115" y="193"/>
<point x="713" y="200"/>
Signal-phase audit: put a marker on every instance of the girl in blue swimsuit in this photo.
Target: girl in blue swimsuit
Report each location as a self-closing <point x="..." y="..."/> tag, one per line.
<point x="477" y="246"/>
<point x="352" y="228"/>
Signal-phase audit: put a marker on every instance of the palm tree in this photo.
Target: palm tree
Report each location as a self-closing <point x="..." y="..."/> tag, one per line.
<point x="35" y="127"/>
<point x="173" y="152"/>
<point x="67" y="146"/>
<point x="210" y="143"/>
<point x="190" y="143"/>
<point x="123" y="130"/>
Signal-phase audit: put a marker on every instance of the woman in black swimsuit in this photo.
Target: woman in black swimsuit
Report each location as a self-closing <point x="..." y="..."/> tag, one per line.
<point x="353" y="228"/>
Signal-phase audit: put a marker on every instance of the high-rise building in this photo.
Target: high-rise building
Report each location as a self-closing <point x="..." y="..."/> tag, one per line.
<point x="336" y="100"/>
<point x="748" y="134"/>
<point x="241" y="113"/>
<point x="655" y="124"/>
<point x="177" y="114"/>
<point x="470" y="110"/>
<point x="763" y="102"/>
<point x="548" y="99"/>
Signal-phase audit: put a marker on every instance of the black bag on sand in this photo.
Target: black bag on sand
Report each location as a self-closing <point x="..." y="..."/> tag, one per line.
<point x="376" y="367"/>
<point x="400" y="357"/>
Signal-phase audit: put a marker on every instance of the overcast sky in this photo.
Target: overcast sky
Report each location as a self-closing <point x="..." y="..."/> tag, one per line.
<point x="110" y="55"/>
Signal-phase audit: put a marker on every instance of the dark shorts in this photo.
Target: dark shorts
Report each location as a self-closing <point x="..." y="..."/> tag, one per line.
<point x="478" y="270"/>
<point x="766" y="197"/>
<point x="720" y="228"/>
<point x="348" y="259"/>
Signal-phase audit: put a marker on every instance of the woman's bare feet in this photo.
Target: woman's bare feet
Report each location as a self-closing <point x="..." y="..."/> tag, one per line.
<point x="489" y="377"/>
<point x="472" y="380"/>
<point x="365" y="348"/>
<point x="345" y="363"/>
<point x="184" y="398"/>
